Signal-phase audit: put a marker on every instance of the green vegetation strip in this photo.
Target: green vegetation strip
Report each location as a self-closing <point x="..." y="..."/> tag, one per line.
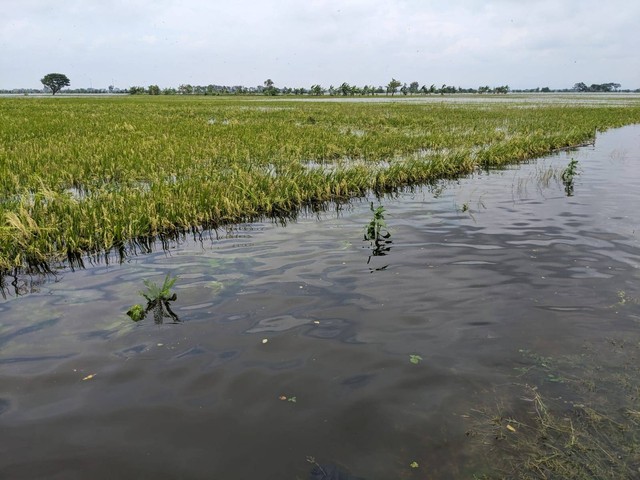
<point x="81" y="176"/>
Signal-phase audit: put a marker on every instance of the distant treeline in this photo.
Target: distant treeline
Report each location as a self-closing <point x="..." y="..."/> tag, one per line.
<point x="345" y="89"/>
<point x="268" y="88"/>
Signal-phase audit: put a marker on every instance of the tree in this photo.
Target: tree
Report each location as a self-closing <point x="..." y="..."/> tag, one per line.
<point x="595" y="87"/>
<point x="55" y="81"/>
<point x="345" y="89"/>
<point x="153" y="90"/>
<point x="580" y="87"/>
<point x="137" y="90"/>
<point x="393" y="86"/>
<point x="414" y="87"/>
<point x="269" y="89"/>
<point x="316" y="90"/>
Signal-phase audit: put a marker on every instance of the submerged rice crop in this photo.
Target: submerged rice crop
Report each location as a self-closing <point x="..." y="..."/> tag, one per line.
<point x="85" y="176"/>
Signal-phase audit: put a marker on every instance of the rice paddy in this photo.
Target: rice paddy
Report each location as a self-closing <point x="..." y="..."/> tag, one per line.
<point x="88" y="176"/>
<point x="483" y="327"/>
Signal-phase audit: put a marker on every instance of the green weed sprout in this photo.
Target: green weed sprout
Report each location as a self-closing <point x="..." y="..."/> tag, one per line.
<point x="158" y="298"/>
<point x="567" y="176"/>
<point x="377" y="225"/>
<point x="157" y="293"/>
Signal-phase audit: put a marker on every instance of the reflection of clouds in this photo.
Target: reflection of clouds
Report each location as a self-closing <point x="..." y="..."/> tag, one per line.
<point x="329" y="328"/>
<point x="278" y="324"/>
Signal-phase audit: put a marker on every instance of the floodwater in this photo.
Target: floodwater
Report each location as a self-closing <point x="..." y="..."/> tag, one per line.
<point x="297" y="341"/>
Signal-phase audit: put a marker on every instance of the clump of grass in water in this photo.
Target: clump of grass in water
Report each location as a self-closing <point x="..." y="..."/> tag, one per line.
<point x="158" y="298"/>
<point x="567" y="176"/>
<point x="586" y="426"/>
<point x="377" y="225"/>
<point x="378" y="234"/>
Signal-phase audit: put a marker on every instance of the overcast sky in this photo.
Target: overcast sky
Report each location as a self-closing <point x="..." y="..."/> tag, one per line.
<point x="466" y="43"/>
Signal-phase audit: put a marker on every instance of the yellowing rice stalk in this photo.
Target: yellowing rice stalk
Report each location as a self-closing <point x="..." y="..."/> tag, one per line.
<point x="83" y="176"/>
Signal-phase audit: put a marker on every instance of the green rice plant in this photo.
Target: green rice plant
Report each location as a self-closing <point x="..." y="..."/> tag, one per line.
<point x="376" y="230"/>
<point x="567" y="176"/>
<point x="160" y="293"/>
<point x="158" y="299"/>
<point x="106" y="176"/>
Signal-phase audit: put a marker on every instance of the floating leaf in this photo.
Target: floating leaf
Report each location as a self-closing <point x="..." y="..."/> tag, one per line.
<point x="415" y="359"/>
<point x="89" y="377"/>
<point x="414" y="465"/>
<point x="292" y="399"/>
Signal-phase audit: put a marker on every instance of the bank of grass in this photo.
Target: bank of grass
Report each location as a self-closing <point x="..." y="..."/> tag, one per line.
<point x="84" y="176"/>
<point x="574" y="417"/>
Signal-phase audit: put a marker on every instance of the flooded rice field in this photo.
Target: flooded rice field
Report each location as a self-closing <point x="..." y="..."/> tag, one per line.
<point x="305" y="349"/>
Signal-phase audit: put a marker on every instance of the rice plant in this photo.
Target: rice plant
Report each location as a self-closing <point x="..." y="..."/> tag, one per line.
<point x="158" y="299"/>
<point x="377" y="233"/>
<point x="376" y="230"/>
<point x="105" y="177"/>
<point x="567" y="176"/>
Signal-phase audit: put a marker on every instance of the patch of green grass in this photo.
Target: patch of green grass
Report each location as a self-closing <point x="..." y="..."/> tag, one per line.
<point x="86" y="176"/>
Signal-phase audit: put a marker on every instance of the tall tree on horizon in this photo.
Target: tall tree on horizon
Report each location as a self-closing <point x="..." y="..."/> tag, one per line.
<point x="55" y="81"/>
<point x="393" y="86"/>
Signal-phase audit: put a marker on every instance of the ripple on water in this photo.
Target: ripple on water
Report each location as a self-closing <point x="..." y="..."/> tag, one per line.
<point x="278" y="324"/>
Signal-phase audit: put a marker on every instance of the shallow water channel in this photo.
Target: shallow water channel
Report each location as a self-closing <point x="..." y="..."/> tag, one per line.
<point x="297" y="342"/>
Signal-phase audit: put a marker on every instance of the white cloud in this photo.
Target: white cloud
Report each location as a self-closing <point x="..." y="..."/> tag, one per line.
<point x="523" y="43"/>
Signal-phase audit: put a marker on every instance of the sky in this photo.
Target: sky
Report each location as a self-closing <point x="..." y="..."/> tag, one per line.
<point x="298" y="43"/>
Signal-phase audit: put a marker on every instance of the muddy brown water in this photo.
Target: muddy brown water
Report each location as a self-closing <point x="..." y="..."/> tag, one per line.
<point x="478" y="269"/>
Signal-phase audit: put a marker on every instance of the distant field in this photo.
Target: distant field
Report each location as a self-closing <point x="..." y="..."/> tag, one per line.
<point x="83" y="176"/>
